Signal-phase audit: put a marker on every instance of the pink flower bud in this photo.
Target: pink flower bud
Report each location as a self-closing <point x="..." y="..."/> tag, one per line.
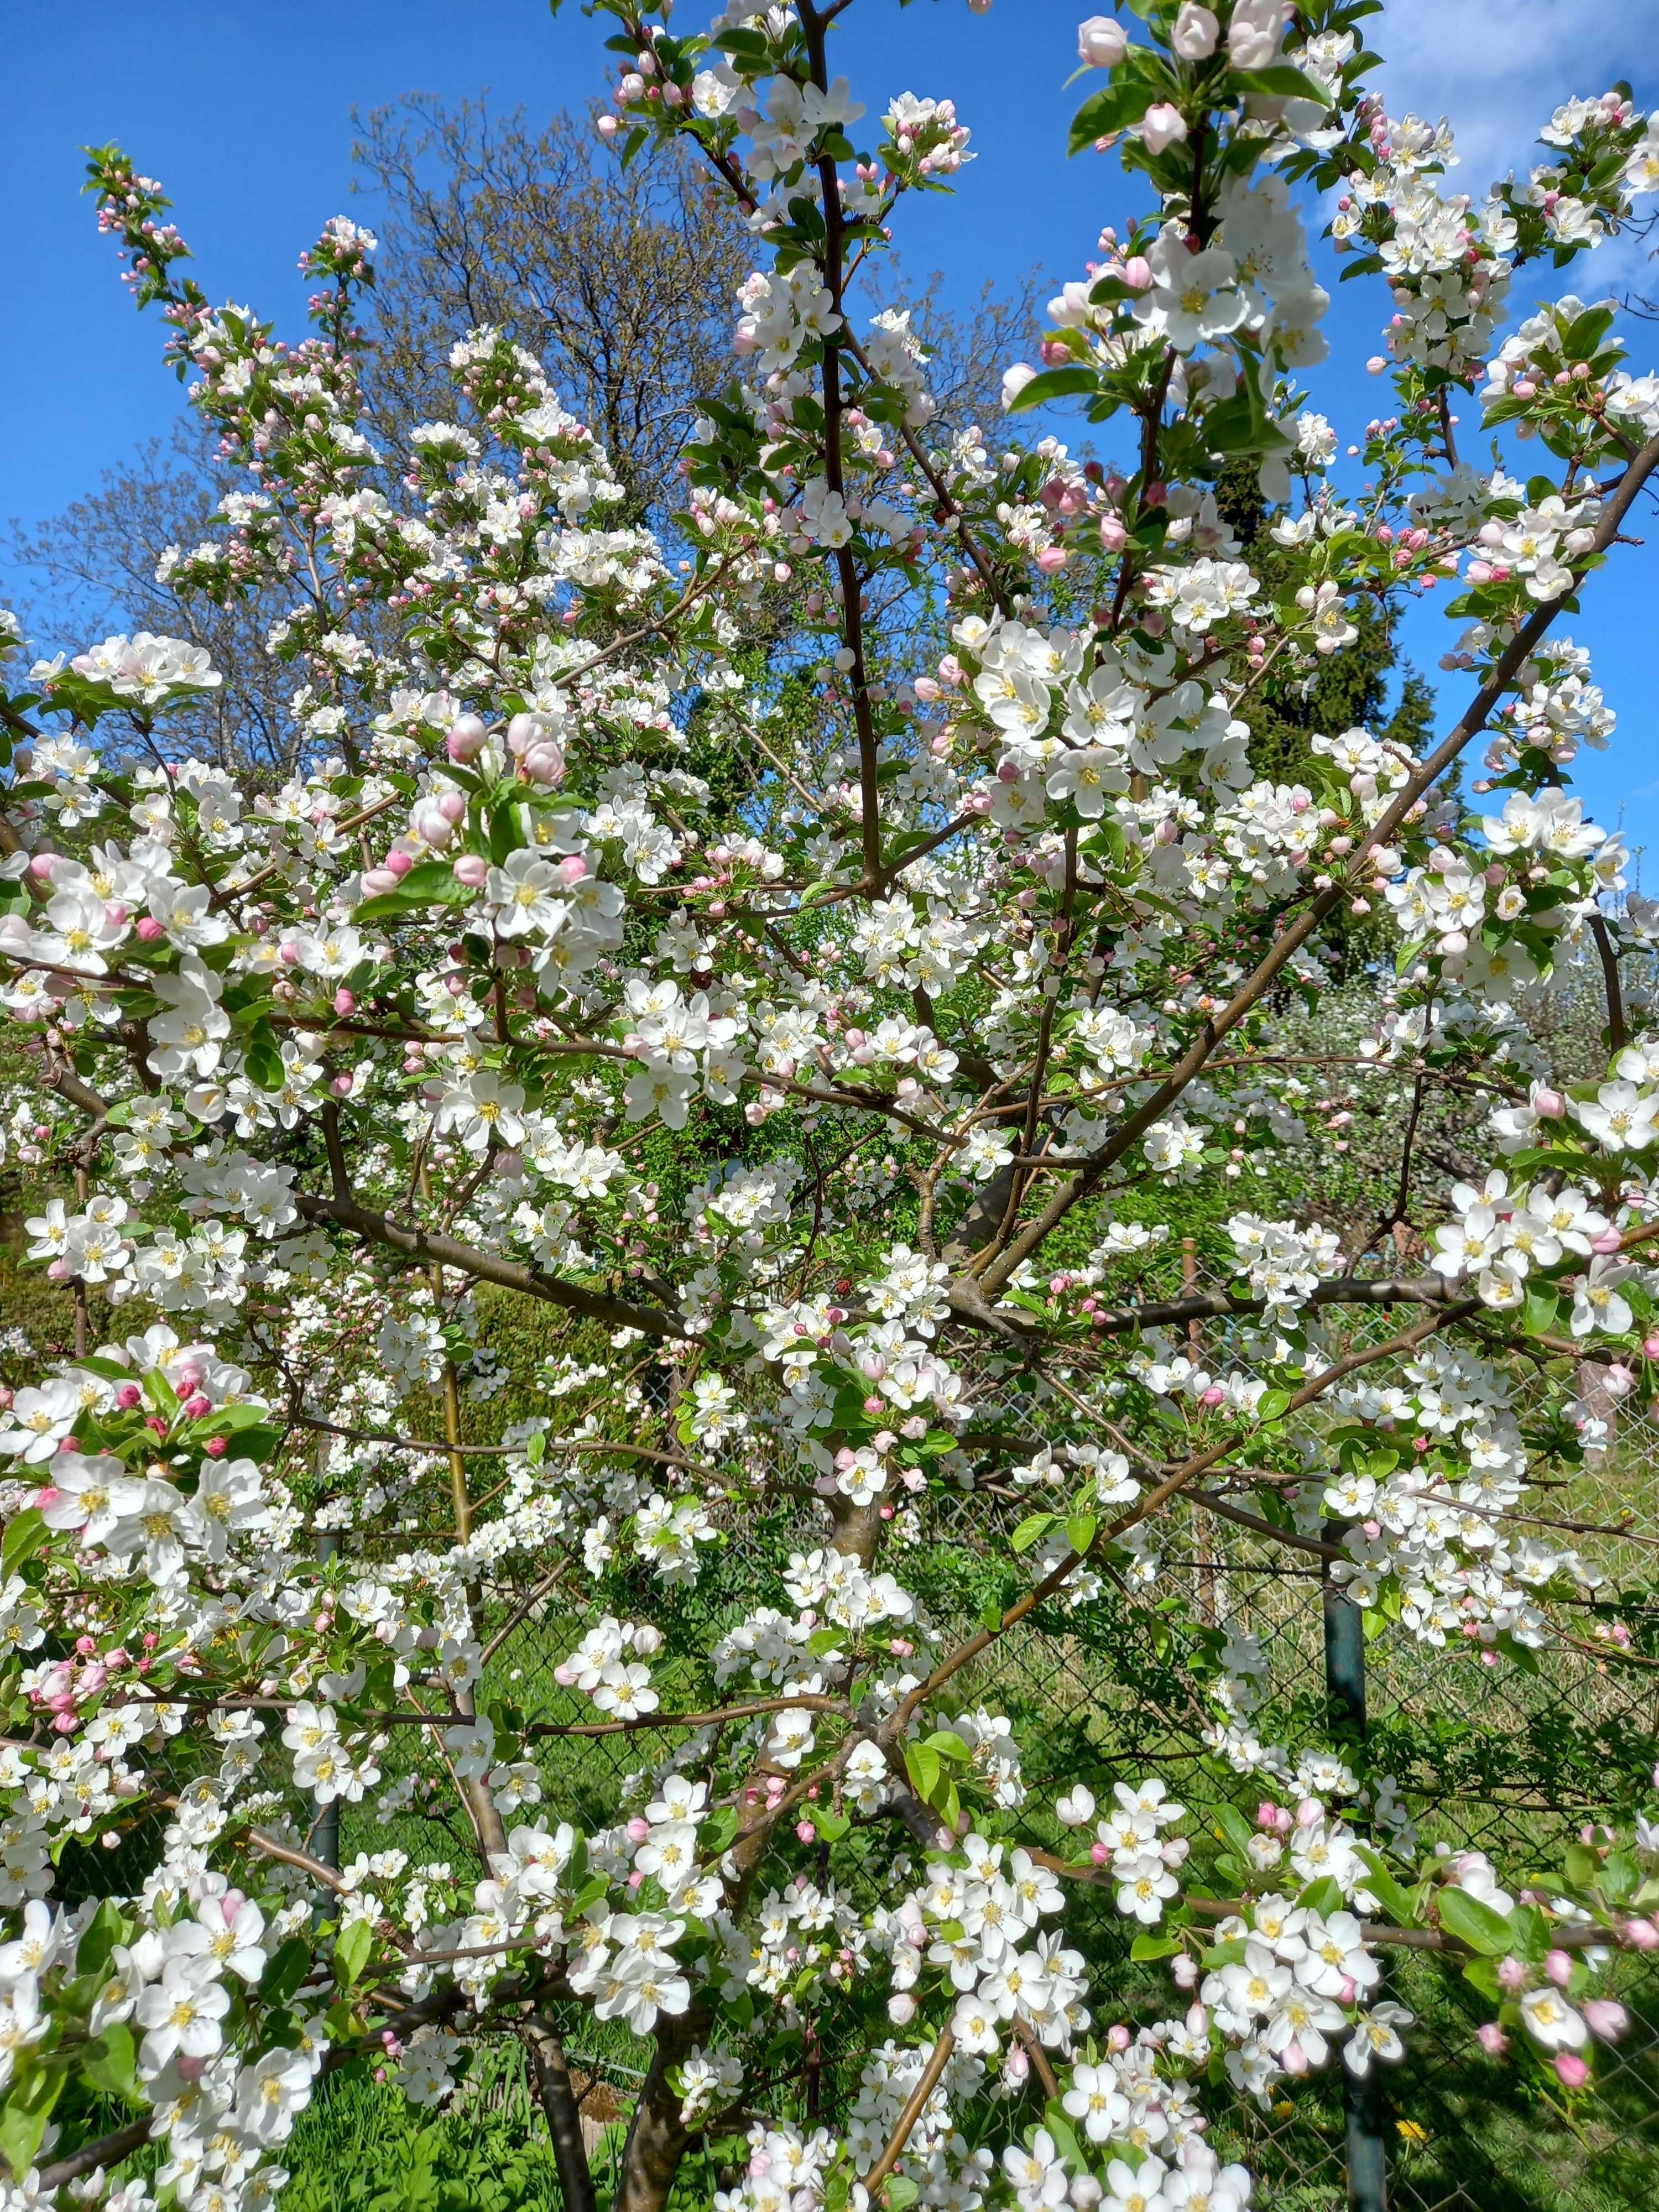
<point x="806" y="1832"/>
<point x="1491" y="2039"/>
<point x="128" y="1396"/>
<point x="466" y="737"/>
<point x="1196" y="34"/>
<point x="1101" y="42"/>
<point x="1609" y="1241"/>
<point x="638" y="1829"/>
<point x="1163" y="124"/>
<point x="452" y="804"/>
<point x="1118" y="2037"/>
<point x="344" y="1003"/>
<point x="573" y="868"/>
<point x="216" y="1447"/>
<point x="1099" y="1854"/>
<point x="1607" y="2018"/>
<point x="147" y="929"/>
<point x="196" y="1405"/>
<point x="472" y="870"/>
<point x="377" y="882"/>
<point x="41" y="865"/>
<point x="1511" y="1974"/>
<point x="1558" y="1966"/>
<point x="1571" y="2069"/>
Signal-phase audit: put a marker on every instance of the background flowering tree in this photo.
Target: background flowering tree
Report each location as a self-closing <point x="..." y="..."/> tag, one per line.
<point x="806" y="957"/>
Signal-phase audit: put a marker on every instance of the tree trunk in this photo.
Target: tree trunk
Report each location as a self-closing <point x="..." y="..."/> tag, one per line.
<point x="656" y="2137"/>
<point x="562" y="2113"/>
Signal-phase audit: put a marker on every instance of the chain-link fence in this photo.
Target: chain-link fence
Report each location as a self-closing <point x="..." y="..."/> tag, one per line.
<point x="1490" y="1756"/>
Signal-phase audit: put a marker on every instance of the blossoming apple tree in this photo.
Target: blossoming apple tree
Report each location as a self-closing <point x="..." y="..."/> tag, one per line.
<point x="805" y="1095"/>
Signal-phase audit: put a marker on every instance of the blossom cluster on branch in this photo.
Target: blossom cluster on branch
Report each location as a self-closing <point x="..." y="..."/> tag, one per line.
<point x="808" y="959"/>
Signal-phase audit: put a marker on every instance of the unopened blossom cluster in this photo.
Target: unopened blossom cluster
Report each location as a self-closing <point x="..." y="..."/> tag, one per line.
<point x="812" y="1129"/>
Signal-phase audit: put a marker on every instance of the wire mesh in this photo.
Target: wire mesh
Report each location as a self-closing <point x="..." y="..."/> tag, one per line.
<point x="1488" y="1755"/>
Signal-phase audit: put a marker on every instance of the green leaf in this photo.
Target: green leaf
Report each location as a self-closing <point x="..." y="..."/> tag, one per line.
<point x="1055" y="384"/>
<point x="1482" y="1974"/>
<point x="830" y="1825"/>
<point x="925" y="1769"/>
<point x="1032" y="1529"/>
<point x="111" y="2062"/>
<point x="1155" y="1947"/>
<point x="1274" y="1406"/>
<point x="351" y="1953"/>
<point x="1080" y="1532"/>
<point x="949" y="1745"/>
<point x="102" y="1932"/>
<point x="430" y="883"/>
<point x="1473" y="1923"/>
<point x="263" y="1059"/>
<point x="1236" y="1830"/>
<point x="1281" y="81"/>
<point x="285" y="1971"/>
<point x="25" y="2114"/>
<point x="1395" y="1901"/>
<point x="1323" y="1897"/>
<point x="1115" y="107"/>
<point x="1542" y="1312"/>
<point x="25" y="1534"/>
<point x="719" y="1830"/>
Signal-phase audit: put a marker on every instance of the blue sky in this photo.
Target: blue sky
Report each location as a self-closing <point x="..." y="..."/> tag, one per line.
<point x="243" y="109"/>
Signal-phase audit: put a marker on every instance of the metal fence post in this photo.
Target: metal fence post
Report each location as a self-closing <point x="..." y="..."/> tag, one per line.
<point x="1345" y="1696"/>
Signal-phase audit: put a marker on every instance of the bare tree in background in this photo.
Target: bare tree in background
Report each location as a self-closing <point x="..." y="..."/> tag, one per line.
<point x="95" y="567"/>
<point x="621" y="281"/>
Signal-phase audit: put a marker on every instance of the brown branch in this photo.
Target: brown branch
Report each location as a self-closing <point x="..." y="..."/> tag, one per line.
<point x="876" y="2178"/>
<point x="426" y="1248"/>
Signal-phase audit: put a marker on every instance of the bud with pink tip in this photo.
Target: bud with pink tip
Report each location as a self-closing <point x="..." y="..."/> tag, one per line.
<point x="147" y="930"/>
<point x="1558" y="1966"/>
<point x="1492" y="2040"/>
<point x="1196" y="33"/>
<point x="1163" y="124"/>
<point x="1571" y="2069"/>
<point x="472" y="871"/>
<point x="467" y="734"/>
<point x="1101" y="42"/>
<point x="1607" y="2018"/>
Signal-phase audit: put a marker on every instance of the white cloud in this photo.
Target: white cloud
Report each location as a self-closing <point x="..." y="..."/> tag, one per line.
<point x="1498" y="67"/>
<point x="1496" y="70"/>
